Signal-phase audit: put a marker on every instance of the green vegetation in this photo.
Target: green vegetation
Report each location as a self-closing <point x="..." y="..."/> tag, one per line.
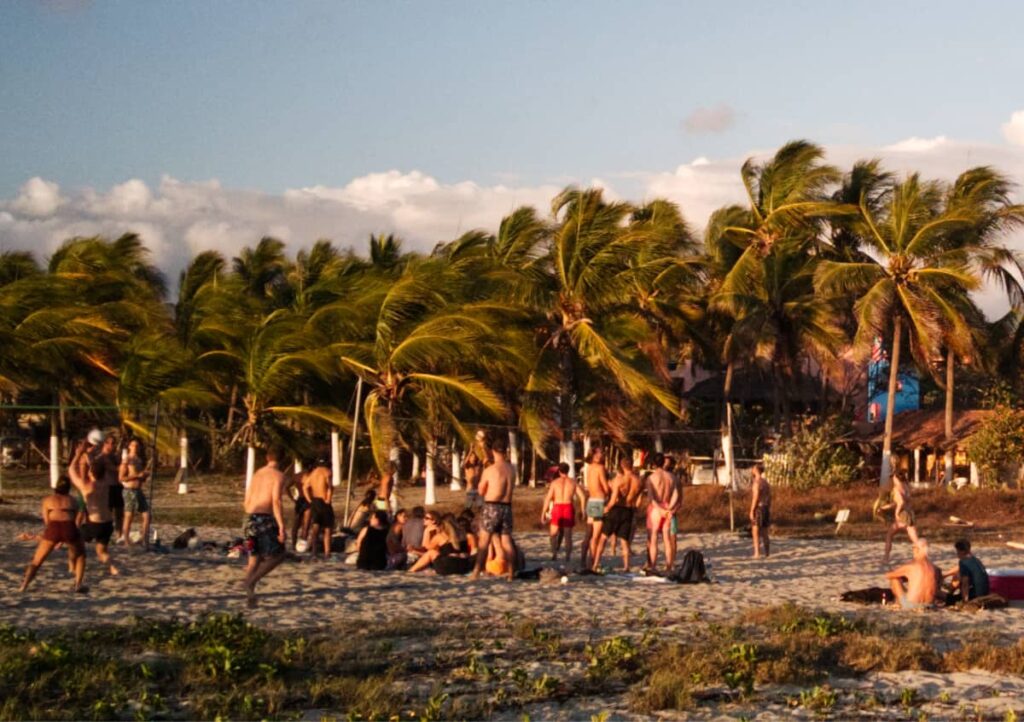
<point x="998" y="444"/>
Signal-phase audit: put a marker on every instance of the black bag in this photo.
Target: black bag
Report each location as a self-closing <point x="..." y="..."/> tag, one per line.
<point x="181" y="541"/>
<point x="691" y="569"/>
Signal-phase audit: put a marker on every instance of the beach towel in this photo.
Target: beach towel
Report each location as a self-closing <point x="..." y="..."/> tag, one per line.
<point x="989" y="601"/>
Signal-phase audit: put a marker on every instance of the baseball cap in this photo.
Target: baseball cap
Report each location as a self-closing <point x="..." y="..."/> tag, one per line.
<point x="95" y="437"/>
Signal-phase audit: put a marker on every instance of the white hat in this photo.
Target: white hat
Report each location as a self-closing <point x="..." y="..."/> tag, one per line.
<point x="95" y="437"/>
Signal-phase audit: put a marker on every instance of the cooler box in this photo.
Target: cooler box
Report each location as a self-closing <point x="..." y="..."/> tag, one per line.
<point x="1007" y="583"/>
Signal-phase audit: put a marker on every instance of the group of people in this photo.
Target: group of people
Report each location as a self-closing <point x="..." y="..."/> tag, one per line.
<point x="108" y="498"/>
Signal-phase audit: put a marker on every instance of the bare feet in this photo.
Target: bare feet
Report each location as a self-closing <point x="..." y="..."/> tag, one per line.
<point x="475" y="575"/>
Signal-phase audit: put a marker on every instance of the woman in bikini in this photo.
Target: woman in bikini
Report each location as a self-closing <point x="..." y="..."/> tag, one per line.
<point x="59" y="517"/>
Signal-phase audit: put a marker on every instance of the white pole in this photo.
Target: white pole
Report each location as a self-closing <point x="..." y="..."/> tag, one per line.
<point x="335" y="458"/>
<point x="430" y="497"/>
<point x="352" y="450"/>
<point x="586" y="445"/>
<point x="659" y="444"/>
<point x="513" y="452"/>
<point x="456" y="469"/>
<point x="917" y="465"/>
<point x="54" y="461"/>
<point x="183" y="464"/>
<point x="250" y="465"/>
<point x="727" y="451"/>
<point x="975" y="477"/>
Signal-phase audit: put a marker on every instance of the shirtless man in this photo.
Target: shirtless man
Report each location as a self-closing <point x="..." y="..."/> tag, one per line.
<point x="133" y="475"/>
<point x="663" y="500"/>
<point x="760" y="510"/>
<point x="99" y="525"/>
<point x="596" y="481"/>
<point x="264" y="524"/>
<point x="677" y="484"/>
<point x="59" y="519"/>
<point x="317" y="490"/>
<point x="562" y="493"/>
<point x="922" y="579"/>
<point x="903" y="515"/>
<point x="106" y="465"/>
<point x="619" y="512"/>
<point x="496" y="486"/>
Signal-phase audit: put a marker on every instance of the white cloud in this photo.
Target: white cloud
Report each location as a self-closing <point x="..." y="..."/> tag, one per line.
<point x="37" y="197"/>
<point x="715" y="119"/>
<point x="917" y="145"/>
<point x="1013" y="129"/>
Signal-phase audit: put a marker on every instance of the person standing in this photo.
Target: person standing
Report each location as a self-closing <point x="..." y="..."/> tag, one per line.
<point x="760" y="510"/>
<point x="264" y="524"/>
<point x="496" y="486"/>
<point x="95" y="490"/>
<point x="133" y="474"/>
<point x="903" y="514"/>
<point x="300" y="523"/>
<point x="317" y="489"/>
<point x="619" y="512"/>
<point x="596" y="481"/>
<point x="663" y="500"/>
<point x="562" y="495"/>
<point x="59" y="520"/>
<point x="106" y="465"/>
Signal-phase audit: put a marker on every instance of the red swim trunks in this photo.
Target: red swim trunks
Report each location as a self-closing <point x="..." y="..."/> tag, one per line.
<point x="562" y="516"/>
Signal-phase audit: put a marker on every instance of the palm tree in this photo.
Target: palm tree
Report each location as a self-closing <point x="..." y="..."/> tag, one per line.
<point x="908" y="281"/>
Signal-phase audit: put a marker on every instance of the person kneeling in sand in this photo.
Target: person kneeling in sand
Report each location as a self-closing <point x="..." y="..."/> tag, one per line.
<point x="59" y="519"/>
<point x="562" y="493"/>
<point x="970" y="579"/>
<point x="922" y="580"/>
<point x="264" y="524"/>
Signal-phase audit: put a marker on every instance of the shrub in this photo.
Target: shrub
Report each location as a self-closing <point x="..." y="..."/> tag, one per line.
<point x="998" y="442"/>
<point x="813" y="457"/>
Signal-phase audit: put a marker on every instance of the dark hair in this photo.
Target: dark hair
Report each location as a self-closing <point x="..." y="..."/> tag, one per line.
<point x="626" y="464"/>
<point x="370" y="496"/>
<point x="417" y="512"/>
<point x="401" y="511"/>
<point x="963" y="545"/>
<point x="669" y="463"/>
<point x="563" y="468"/>
<point x="658" y="460"/>
<point x="63" y="485"/>
<point x="273" y="455"/>
<point x="760" y="467"/>
<point x="500" y="445"/>
<point x="381" y="517"/>
<point x="589" y="458"/>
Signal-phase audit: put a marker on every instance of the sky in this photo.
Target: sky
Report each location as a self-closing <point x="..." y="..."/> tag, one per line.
<point x="207" y="125"/>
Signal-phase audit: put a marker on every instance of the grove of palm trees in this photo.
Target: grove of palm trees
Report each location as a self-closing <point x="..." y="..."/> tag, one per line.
<point x="561" y="322"/>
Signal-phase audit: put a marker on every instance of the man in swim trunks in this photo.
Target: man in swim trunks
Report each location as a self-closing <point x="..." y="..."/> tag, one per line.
<point x="760" y="509"/>
<point x="496" y="486"/>
<point x="922" y="580"/>
<point x="663" y="500"/>
<point x="562" y="495"/>
<point x="59" y="520"/>
<point x="596" y="481"/>
<point x="99" y="524"/>
<point x="106" y="465"/>
<point x="903" y="515"/>
<point x="264" y="524"/>
<point x="133" y="475"/>
<point x="619" y="512"/>
<point x="317" y="490"/>
<point x="300" y="524"/>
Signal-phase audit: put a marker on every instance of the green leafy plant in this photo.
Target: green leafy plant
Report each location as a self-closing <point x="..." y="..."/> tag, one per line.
<point x="813" y="457"/>
<point x="998" y="442"/>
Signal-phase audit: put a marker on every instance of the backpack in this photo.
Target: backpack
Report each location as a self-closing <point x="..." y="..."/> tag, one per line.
<point x="691" y="569"/>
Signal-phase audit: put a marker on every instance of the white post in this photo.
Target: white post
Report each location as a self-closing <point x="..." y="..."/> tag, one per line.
<point x="948" y="478"/>
<point x="335" y="458"/>
<point x="297" y="466"/>
<point x="513" y="453"/>
<point x="352" y="449"/>
<point x="567" y="454"/>
<point x="456" y="469"/>
<point x="250" y="465"/>
<point x="917" y="465"/>
<point x="54" y="461"/>
<point x="415" y="467"/>
<point x="395" y="456"/>
<point x="975" y="477"/>
<point x="586" y="445"/>
<point x="183" y="464"/>
<point x="727" y="451"/>
<point x="659" y="444"/>
<point x="430" y="495"/>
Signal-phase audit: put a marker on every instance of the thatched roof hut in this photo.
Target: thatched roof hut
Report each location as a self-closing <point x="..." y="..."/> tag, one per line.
<point x="920" y="429"/>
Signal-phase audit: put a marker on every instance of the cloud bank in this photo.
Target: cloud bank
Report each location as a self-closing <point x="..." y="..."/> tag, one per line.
<point x="716" y="119"/>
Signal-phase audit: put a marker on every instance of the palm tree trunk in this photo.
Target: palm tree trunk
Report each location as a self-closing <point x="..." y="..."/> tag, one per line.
<point x="513" y="453"/>
<point x="430" y="495"/>
<point x="54" y="450"/>
<point x="250" y="464"/>
<point x="335" y="457"/>
<point x="567" y="450"/>
<point x="890" y="403"/>
<point x="950" y="360"/>
<point x="726" y="428"/>
<point x="776" y="399"/>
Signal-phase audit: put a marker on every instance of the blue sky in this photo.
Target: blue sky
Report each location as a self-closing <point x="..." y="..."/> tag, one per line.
<point x="206" y="125"/>
<point x="275" y="95"/>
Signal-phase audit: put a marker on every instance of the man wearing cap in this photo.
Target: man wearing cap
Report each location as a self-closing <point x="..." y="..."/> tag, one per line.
<point x="95" y="490"/>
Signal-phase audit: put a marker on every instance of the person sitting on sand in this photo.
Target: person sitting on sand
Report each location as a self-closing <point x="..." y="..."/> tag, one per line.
<point x="497" y="566"/>
<point x="760" y="510"/>
<point x="59" y="528"/>
<point x="412" y="533"/>
<point x="361" y="515"/>
<point x="317" y="489"/>
<point x="99" y="524"/>
<point x="970" y="579"/>
<point x="922" y="579"/>
<point x="300" y="523"/>
<point x="596" y="481"/>
<point x="264" y="524"/>
<point x="448" y="549"/>
<point x="133" y="475"/>
<point x="903" y="515"/>
<point x="496" y="486"/>
<point x="561" y="497"/>
<point x="663" y="501"/>
<point x="372" y="544"/>
<point x="397" y="556"/>
<point x="619" y="513"/>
